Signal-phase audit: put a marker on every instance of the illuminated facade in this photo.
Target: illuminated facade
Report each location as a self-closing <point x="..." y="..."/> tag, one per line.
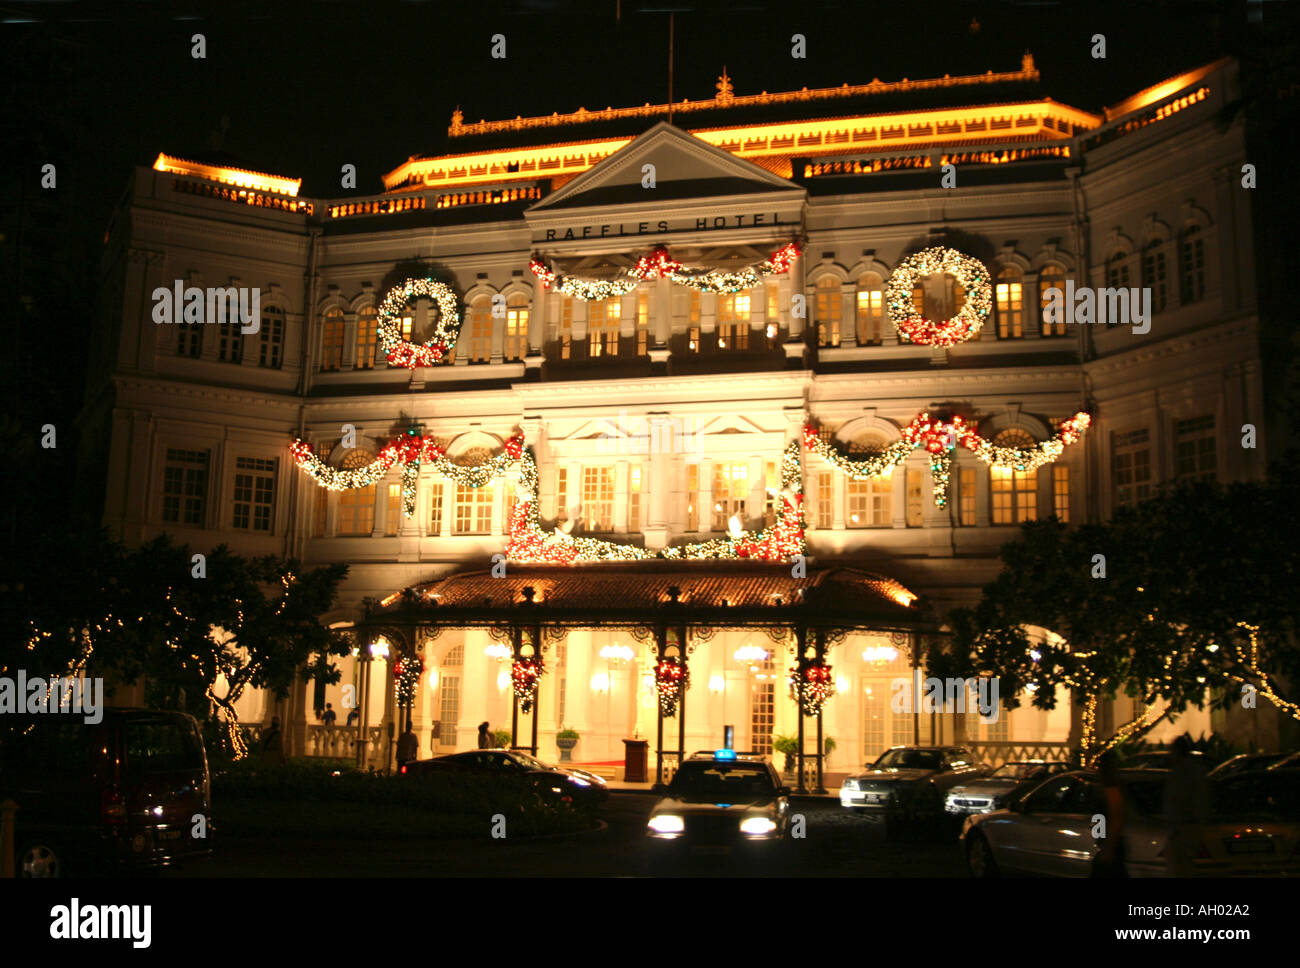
<point x="659" y="415"/>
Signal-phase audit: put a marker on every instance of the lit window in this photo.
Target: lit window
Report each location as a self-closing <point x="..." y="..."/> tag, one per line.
<point x="254" y="493"/>
<point x="1061" y="492"/>
<point x="1191" y="265"/>
<point x="1014" y="492"/>
<point x="1010" y="304"/>
<point x="730" y="493"/>
<point x="772" y="493"/>
<point x="480" y="330"/>
<point x="1052" y="277"/>
<point x="642" y="323"/>
<point x="566" y="328"/>
<point x="367" y="338"/>
<point x="827" y="311"/>
<point x="602" y="327"/>
<point x="871" y="309"/>
<point x="1131" y="466"/>
<point x="598" y="499"/>
<point x="634" y="498"/>
<point x="393" y="510"/>
<point x="692" y="497"/>
<point x="516" y="345"/>
<point x="271" y="338"/>
<point x="966" y="497"/>
<point x="435" y="506"/>
<point x="915" y="499"/>
<point x="1195" y="449"/>
<point x="356" y="504"/>
<point x="693" y="330"/>
<point x="733" y="321"/>
<point x="185" y="486"/>
<point x="332" y="340"/>
<point x="562" y="493"/>
<point x="825" y="500"/>
<point x="474" y="509"/>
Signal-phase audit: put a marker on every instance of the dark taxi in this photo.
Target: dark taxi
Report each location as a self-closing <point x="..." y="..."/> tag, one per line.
<point x="721" y="799"/>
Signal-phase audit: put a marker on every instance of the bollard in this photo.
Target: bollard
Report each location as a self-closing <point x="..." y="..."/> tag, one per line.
<point x="7" y="811"/>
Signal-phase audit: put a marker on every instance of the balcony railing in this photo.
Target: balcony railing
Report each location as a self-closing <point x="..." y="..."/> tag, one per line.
<point x="995" y="753"/>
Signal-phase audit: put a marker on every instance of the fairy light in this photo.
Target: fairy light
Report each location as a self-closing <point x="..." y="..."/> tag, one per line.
<point x="971" y="275"/>
<point x="402" y="352"/>
<point x="672" y="677"/>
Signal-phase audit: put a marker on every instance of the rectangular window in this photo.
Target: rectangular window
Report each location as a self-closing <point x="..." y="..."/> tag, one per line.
<point x="562" y="493"/>
<point x="825" y="500"/>
<point x="693" y="330"/>
<point x="1013" y="495"/>
<point x="322" y="512"/>
<point x="270" y="350"/>
<point x="871" y="315"/>
<point x="516" y="332"/>
<point x="229" y="345"/>
<point x="448" y="709"/>
<point x="634" y="498"/>
<point x="1061" y="492"/>
<point x="185" y="486"/>
<point x="692" y="497"/>
<point x="435" y="507"/>
<point x="870" y="503"/>
<point x="642" y="323"/>
<point x="915" y="499"/>
<point x="733" y="321"/>
<point x="254" y="493"/>
<point x="771" y="493"/>
<point x="602" y="327"/>
<point x="762" y="716"/>
<point x="966" y="497"/>
<point x="190" y="339"/>
<point x="1131" y="466"/>
<point x="1010" y="309"/>
<point x="730" y="493"/>
<point x="1195" y="450"/>
<point x="566" y="328"/>
<point x="1154" y="276"/>
<point x="480" y="331"/>
<point x="474" y="509"/>
<point x="598" y="499"/>
<point x="367" y="339"/>
<point x="393" y="511"/>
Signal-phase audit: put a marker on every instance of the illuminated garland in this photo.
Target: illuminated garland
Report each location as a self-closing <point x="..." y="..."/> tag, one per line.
<point x="911" y="325"/>
<point x="659" y="264"/>
<point x="407" y="672"/>
<point x="525" y="673"/>
<point x="410" y="450"/>
<point x="811" y="687"/>
<point x="402" y="352"/>
<point x="940" y="440"/>
<point x="671" y="679"/>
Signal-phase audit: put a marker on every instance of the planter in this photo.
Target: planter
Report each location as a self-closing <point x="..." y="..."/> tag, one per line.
<point x="566" y="746"/>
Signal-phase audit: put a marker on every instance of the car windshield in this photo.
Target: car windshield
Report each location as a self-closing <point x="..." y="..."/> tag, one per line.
<point x="908" y="760"/>
<point x="1021" y="771"/>
<point x="162" y="746"/>
<point x="529" y="761"/>
<point x="1273" y="795"/>
<point x="722" y="782"/>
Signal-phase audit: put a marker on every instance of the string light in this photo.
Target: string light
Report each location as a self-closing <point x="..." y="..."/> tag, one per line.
<point x="971" y="276"/>
<point x="672" y="677"/>
<point x="525" y="672"/>
<point x="402" y="352"/>
<point x="812" y="685"/>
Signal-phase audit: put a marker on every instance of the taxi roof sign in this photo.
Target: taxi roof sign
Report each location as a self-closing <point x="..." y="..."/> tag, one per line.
<point x="724" y="754"/>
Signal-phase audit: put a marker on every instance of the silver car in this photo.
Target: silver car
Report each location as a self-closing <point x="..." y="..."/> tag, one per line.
<point x="909" y="780"/>
<point x="994" y="791"/>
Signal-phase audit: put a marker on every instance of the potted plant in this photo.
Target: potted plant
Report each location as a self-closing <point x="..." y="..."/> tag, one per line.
<point x="502" y="738"/>
<point x="566" y="739"/>
<point x="788" y="747"/>
<point x="828" y="747"/>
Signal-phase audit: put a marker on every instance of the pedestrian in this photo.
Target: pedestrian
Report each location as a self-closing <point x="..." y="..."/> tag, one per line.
<point x="1113" y="851"/>
<point x="354" y="716"/>
<point x="1186" y="804"/>
<point x="329" y="716"/>
<point x="273" y="745"/>
<point x="486" y="740"/>
<point x="408" y="746"/>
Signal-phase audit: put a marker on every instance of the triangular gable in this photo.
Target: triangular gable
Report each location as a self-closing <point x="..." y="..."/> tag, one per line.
<point x="685" y="167"/>
<point x="729" y="424"/>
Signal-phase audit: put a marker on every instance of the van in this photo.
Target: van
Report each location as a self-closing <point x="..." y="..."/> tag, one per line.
<point x="129" y="793"/>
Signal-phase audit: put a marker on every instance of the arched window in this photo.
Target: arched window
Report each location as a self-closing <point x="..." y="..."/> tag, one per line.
<point x="332" y="340"/>
<point x="603" y="317"/>
<point x="270" y="350"/>
<point x="1010" y="304"/>
<point x="1052" y="276"/>
<point x="827" y="311"/>
<point x="871" y="309"/>
<point x="516" y="343"/>
<point x="367" y="337"/>
<point x="1154" y="276"/>
<point x="357" y="504"/>
<point x="733" y="320"/>
<point x="455" y="656"/>
<point x="479" y="348"/>
<point x="1117" y="275"/>
<point x="1015" y="493"/>
<point x="1191" y="264"/>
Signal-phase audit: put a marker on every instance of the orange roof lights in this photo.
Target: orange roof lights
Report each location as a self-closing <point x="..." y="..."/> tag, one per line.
<point x="255" y="180"/>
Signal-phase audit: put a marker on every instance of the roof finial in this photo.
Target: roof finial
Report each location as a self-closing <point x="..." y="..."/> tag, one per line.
<point x="457" y="119"/>
<point x="1027" y="63"/>
<point x="725" y="92"/>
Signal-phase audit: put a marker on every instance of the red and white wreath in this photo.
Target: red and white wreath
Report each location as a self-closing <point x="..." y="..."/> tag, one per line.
<point x="971" y="276"/>
<point x="401" y="351"/>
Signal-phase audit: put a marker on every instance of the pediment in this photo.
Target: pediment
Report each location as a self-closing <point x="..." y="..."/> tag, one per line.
<point x="730" y="424"/>
<point x="684" y="167"/>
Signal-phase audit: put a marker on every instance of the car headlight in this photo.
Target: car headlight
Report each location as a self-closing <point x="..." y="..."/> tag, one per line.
<point x="850" y="784"/>
<point x="666" y="823"/>
<point x="757" y="826"/>
<point x="579" y="781"/>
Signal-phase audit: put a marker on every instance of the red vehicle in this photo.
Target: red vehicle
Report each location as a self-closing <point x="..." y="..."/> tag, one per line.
<point x="127" y="793"/>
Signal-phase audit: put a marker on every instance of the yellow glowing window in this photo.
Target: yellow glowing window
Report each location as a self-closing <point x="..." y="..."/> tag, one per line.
<point x="1010" y="304"/>
<point x="332" y="340"/>
<point x="827" y="309"/>
<point x="730" y="493"/>
<point x="871" y="309"/>
<point x="516" y="344"/>
<point x="367" y="338"/>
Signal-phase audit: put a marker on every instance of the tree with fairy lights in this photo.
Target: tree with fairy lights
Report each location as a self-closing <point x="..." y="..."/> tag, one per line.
<point x="1185" y="599"/>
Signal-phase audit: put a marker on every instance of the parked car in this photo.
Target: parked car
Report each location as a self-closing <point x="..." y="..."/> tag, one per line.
<point x="910" y="781"/>
<point x="1245" y="761"/>
<point x="721" y="801"/>
<point x="1253" y="828"/>
<point x="994" y="791"/>
<point x="1154" y="760"/>
<point x="121" y="795"/>
<point x="561" y="782"/>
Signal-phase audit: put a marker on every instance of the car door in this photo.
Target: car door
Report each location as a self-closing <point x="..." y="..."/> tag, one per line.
<point x="1063" y="844"/>
<point x="1036" y="840"/>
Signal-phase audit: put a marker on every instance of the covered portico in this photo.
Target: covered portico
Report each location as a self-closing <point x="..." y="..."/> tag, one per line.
<point x="672" y="610"/>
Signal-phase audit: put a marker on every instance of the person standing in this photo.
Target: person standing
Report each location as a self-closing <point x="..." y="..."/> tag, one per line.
<point x="485" y="739"/>
<point x="1186" y="805"/>
<point x="273" y="745"/>
<point x="408" y="746"/>
<point x="329" y="717"/>
<point x="1113" y="853"/>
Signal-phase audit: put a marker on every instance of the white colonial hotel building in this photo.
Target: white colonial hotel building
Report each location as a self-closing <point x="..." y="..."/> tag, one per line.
<point x="195" y="422"/>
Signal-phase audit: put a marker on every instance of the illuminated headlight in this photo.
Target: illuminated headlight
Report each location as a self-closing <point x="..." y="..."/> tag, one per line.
<point x="850" y="785"/>
<point x="667" y="823"/>
<point x="757" y="826"/>
<point x="579" y="781"/>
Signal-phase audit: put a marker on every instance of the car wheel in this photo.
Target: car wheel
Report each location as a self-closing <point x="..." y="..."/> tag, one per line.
<point x="39" y="860"/>
<point x="979" y="857"/>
